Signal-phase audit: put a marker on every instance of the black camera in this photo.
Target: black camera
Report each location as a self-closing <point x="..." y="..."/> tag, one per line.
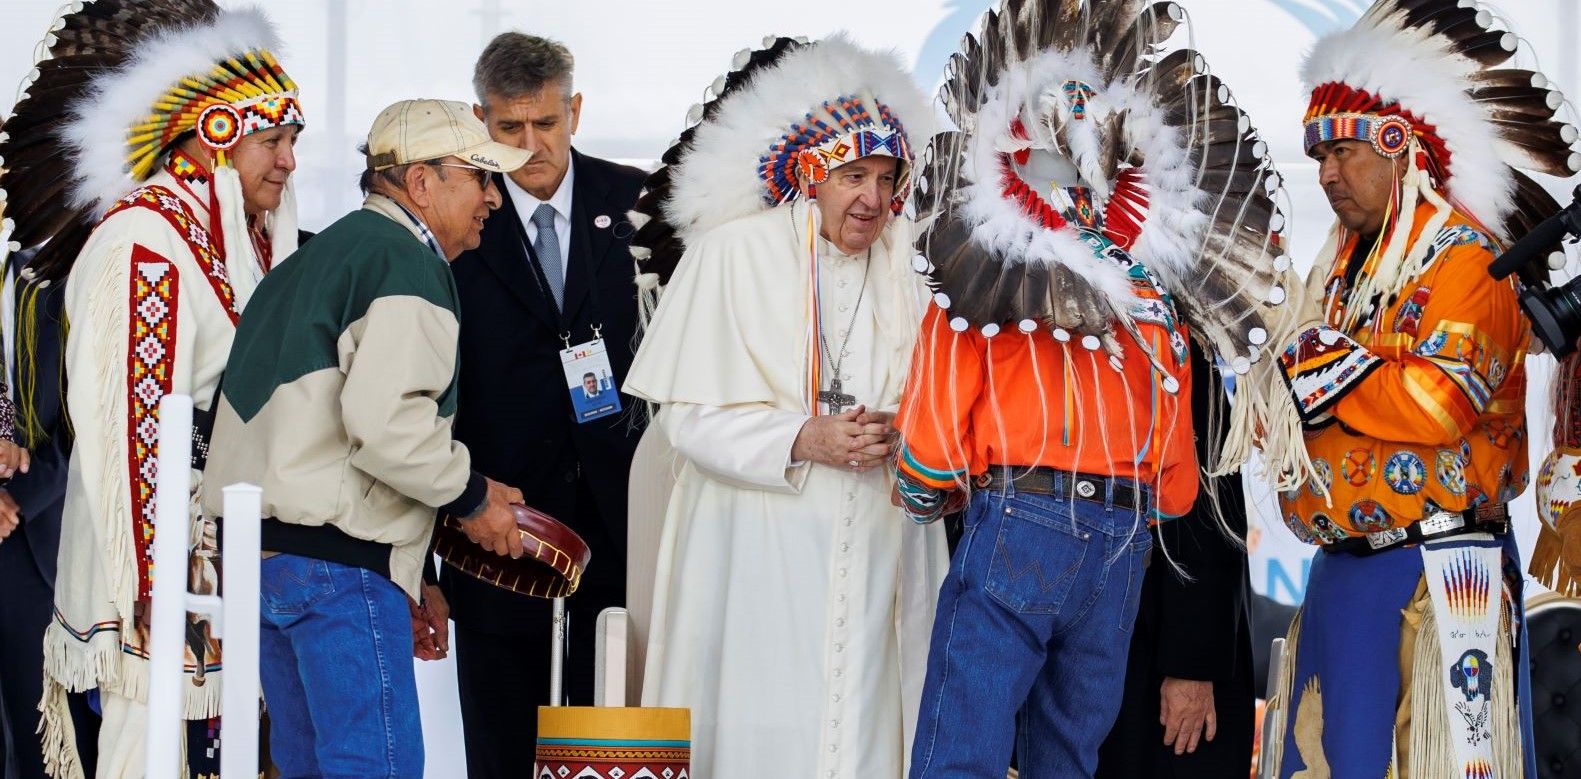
<point x="1555" y="312"/>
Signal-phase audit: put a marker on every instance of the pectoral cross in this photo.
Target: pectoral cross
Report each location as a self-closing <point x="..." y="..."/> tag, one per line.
<point x="837" y="401"/>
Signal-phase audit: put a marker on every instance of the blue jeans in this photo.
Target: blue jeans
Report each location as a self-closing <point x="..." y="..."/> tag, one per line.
<point x="1029" y="647"/>
<point x="335" y="660"/>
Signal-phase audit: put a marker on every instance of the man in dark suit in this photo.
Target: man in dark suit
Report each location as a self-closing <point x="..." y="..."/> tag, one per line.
<point x="1187" y="710"/>
<point x="30" y="505"/>
<point x="553" y="271"/>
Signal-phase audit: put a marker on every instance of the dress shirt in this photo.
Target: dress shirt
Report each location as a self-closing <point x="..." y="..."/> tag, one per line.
<point x="560" y="201"/>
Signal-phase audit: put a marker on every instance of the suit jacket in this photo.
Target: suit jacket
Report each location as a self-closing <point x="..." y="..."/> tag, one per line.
<point x="514" y="411"/>
<point x="41" y="492"/>
<point x="1195" y="630"/>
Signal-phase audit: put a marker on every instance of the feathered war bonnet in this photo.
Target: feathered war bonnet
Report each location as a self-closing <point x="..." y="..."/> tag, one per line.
<point x="770" y="131"/>
<point x="1428" y="81"/>
<point x="1067" y="108"/>
<point x="132" y="79"/>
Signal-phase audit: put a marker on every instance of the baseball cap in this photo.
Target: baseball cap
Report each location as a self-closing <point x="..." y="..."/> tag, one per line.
<point x="421" y="130"/>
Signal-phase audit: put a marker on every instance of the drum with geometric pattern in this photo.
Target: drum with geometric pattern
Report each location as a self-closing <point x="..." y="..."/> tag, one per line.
<point x="605" y="742"/>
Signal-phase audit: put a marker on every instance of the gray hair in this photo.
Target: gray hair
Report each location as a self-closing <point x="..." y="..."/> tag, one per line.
<point x="369" y="179"/>
<point x="515" y="64"/>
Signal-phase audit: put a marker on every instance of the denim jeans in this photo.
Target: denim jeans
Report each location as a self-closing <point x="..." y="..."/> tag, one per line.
<point x="1030" y="644"/>
<point x="335" y="661"/>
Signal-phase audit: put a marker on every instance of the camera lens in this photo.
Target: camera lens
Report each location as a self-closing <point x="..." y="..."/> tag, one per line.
<point x="1554" y="313"/>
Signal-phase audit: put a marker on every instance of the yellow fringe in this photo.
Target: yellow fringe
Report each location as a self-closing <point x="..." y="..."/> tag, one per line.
<point x="1548" y="563"/>
<point x="29" y="428"/>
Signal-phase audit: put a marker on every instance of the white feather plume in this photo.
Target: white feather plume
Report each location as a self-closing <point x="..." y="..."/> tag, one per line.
<point x="96" y="129"/>
<point x="998" y="224"/>
<point x="717" y="182"/>
<point x="1173" y="226"/>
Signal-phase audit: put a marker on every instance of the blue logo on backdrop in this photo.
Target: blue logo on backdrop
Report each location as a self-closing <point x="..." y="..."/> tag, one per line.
<point x="962" y="16"/>
<point x="1324" y="16"/>
<point x="1284" y="584"/>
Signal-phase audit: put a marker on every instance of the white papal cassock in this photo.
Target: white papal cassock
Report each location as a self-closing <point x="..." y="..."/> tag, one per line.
<point x="792" y="604"/>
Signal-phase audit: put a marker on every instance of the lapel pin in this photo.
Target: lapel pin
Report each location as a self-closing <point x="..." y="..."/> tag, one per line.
<point x="601" y="221"/>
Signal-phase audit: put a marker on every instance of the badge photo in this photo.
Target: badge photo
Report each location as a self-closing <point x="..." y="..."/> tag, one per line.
<point x="590" y="380"/>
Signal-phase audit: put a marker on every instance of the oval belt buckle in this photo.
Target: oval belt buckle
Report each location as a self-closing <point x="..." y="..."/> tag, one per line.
<point x="1085" y="488"/>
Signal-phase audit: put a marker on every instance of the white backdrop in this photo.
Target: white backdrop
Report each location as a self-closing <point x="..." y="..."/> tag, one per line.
<point x="641" y="64"/>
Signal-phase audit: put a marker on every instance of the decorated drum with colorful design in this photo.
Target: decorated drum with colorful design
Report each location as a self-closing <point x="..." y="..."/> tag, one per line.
<point x="1559" y="486"/>
<point x="601" y="742"/>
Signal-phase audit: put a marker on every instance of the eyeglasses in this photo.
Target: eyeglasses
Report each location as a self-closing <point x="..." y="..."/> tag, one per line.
<point x="479" y="175"/>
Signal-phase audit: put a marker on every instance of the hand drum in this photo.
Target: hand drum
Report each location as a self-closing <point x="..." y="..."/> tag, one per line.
<point x="551" y="566"/>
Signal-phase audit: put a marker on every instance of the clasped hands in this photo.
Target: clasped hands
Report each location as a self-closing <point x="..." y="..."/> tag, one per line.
<point x="856" y="440"/>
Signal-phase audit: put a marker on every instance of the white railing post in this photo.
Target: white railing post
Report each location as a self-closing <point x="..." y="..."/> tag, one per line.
<point x="610" y="656"/>
<point x="239" y="559"/>
<point x="172" y="495"/>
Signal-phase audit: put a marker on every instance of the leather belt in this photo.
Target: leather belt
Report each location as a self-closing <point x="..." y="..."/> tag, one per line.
<point x="1042" y="480"/>
<point x="1492" y="518"/>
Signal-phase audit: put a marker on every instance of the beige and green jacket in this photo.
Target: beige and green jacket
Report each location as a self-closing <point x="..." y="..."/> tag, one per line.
<point x="339" y="395"/>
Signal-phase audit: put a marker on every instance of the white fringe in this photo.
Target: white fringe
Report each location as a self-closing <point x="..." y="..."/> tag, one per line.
<point x="77" y="666"/>
<point x="1430" y="752"/>
<point x="282" y="224"/>
<point x="1264" y="415"/>
<point x="241" y="262"/>
<point x="61" y="759"/>
<point x="108" y="302"/>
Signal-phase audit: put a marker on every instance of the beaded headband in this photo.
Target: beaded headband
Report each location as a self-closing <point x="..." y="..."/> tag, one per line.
<point x="845" y="130"/>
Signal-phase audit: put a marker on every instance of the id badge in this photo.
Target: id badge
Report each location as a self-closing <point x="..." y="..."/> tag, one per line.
<point x="590" y="381"/>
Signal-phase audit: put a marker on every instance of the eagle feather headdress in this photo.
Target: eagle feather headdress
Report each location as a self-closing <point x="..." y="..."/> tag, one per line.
<point x="117" y="85"/>
<point x="1055" y="96"/>
<point x="1084" y="92"/>
<point x="739" y="152"/>
<point x="1433" y="81"/>
<point x="771" y="131"/>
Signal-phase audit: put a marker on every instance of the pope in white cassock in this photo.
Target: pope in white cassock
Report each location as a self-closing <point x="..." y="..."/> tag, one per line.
<point x="793" y="601"/>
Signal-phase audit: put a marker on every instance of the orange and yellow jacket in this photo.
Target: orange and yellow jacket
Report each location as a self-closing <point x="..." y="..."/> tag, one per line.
<point x="1419" y="406"/>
